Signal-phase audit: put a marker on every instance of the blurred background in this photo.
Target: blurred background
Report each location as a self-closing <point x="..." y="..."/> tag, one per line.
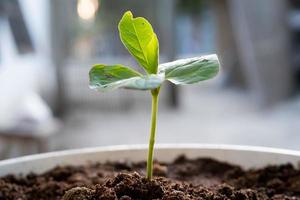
<point x="48" y="46"/>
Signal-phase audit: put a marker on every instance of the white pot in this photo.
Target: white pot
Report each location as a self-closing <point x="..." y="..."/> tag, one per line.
<point x="245" y="156"/>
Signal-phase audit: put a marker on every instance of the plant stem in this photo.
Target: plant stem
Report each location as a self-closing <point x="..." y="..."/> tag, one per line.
<point x="155" y="94"/>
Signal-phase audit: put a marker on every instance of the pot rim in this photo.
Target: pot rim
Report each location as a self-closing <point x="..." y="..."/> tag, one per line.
<point x="180" y="146"/>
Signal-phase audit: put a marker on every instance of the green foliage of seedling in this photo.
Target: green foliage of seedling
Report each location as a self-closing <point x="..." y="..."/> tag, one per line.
<point x="109" y="77"/>
<point x="138" y="37"/>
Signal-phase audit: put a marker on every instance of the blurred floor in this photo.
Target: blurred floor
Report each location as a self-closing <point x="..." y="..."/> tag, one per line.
<point x="207" y="115"/>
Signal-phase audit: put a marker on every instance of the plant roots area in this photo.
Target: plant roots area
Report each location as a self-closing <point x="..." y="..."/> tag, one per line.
<point x="184" y="179"/>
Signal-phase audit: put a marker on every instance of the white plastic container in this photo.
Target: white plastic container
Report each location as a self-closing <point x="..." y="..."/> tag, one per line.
<point x="245" y="156"/>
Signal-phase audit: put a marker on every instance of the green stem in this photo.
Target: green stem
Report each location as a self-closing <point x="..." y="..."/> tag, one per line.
<point x="155" y="94"/>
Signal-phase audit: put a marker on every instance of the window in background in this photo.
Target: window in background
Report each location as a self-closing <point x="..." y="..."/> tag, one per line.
<point x="94" y="26"/>
<point x="195" y="29"/>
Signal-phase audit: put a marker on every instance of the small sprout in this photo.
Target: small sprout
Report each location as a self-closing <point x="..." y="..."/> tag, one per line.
<point x="140" y="40"/>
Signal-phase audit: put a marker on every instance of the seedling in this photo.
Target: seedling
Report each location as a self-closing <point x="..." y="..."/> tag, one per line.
<point x="140" y="40"/>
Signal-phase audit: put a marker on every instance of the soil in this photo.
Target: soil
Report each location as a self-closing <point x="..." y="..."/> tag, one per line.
<point x="183" y="179"/>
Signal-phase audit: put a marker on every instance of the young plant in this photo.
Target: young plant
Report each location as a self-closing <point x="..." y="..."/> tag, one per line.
<point x="140" y="40"/>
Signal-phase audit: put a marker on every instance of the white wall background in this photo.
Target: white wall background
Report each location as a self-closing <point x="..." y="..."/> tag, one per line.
<point x="22" y="77"/>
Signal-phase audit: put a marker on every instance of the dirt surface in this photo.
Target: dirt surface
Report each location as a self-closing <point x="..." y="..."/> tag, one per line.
<point x="181" y="180"/>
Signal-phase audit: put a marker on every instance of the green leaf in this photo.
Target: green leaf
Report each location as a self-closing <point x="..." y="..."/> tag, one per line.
<point x="110" y="77"/>
<point x="139" y="38"/>
<point x="190" y="70"/>
<point x="148" y="82"/>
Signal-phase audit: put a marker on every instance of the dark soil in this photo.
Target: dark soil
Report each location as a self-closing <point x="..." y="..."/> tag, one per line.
<point x="181" y="180"/>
